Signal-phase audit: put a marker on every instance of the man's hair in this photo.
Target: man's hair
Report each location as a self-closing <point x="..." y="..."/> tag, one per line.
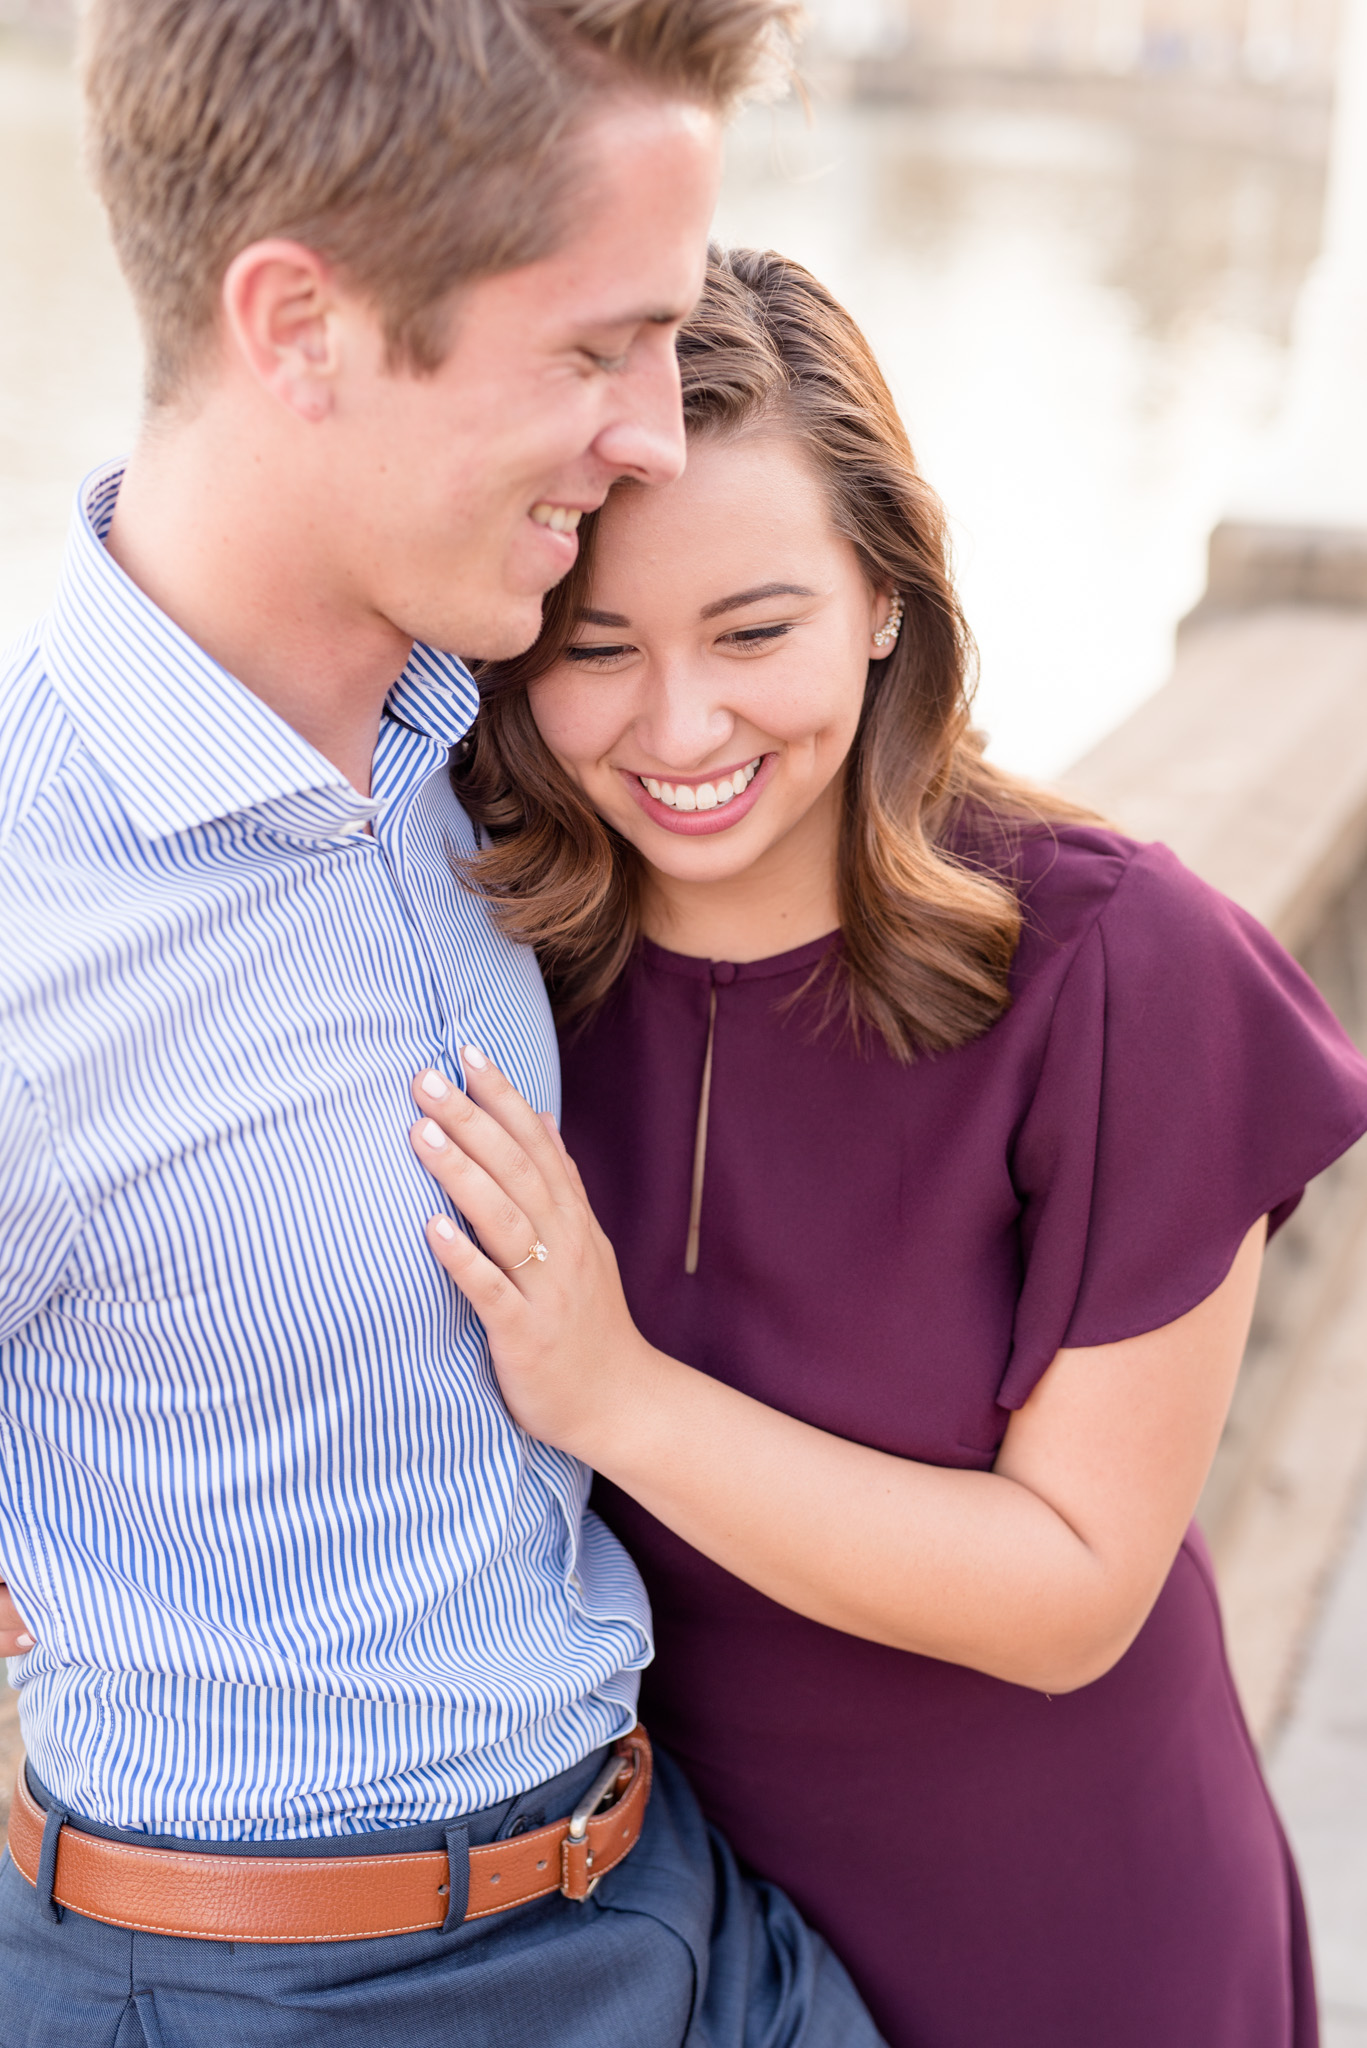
<point x="415" y="144"/>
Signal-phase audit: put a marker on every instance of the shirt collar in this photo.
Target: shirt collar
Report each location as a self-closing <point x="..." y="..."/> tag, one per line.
<point x="182" y="740"/>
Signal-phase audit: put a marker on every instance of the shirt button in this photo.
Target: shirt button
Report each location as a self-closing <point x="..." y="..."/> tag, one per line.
<point x="723" y="972"/>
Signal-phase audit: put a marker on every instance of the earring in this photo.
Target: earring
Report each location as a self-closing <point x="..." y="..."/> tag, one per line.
<point x="892" y="625"/>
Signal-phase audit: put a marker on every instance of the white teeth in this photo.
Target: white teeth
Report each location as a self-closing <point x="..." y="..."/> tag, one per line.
<point x="702" y="796"/>
<point x="560" y="518"/>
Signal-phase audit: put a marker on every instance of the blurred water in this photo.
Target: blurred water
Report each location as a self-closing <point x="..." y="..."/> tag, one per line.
<point x="1085" y="327"/>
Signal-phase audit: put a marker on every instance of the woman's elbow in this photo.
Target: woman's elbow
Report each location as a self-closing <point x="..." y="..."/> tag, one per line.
<point x="1070" y="1660"/>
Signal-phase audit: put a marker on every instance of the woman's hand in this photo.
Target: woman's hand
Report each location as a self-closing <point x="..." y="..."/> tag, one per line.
<point x="14" y="1633"/>
<point x="570" y="1361"/>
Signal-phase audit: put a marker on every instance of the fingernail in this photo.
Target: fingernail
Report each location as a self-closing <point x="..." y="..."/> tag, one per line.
<point x="444" y="1227"/>
<point x="473" y="1057"/>
<point x="433" y="1086"/>
<point x="24" y="1642"/>
<point x="432" y="1134"/>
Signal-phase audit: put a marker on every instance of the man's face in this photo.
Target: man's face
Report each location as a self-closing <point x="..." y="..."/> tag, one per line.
<point x="462" y="486"/>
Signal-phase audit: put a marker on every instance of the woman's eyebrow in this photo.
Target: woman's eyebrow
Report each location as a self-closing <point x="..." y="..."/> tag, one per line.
<point x="743" y="597"/>
<point x="588" y="618"/>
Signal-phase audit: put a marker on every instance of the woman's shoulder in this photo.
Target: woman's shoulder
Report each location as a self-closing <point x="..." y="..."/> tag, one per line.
<point x="1079" y="881"/>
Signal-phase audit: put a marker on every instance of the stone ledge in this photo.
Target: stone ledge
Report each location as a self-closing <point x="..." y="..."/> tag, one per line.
<point x="1251" y="763"/>
<point x="1252" y="564"/>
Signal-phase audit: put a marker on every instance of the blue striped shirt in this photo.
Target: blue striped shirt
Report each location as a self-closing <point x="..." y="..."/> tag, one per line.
<point x="291" y="1566"/>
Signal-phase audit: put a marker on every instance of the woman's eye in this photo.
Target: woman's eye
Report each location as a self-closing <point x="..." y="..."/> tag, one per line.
<point x="598" y="654"/>
<point x="754" y="636"/>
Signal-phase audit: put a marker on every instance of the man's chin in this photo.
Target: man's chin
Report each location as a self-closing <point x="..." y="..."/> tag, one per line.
<point x="486" y="636"/>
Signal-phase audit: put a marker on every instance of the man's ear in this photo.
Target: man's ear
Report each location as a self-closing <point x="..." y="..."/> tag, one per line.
<point x="280" y="312"/>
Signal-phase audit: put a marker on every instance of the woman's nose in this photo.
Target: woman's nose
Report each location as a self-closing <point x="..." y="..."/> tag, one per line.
<point x="683" y="723"/>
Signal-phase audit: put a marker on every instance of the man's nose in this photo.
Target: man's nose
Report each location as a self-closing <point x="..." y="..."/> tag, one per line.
<point x="645" y="437"/>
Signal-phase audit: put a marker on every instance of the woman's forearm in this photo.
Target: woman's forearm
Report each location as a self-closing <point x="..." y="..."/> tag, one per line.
<point x="972" y="1567"/>
<point x="1041" y="1571"/>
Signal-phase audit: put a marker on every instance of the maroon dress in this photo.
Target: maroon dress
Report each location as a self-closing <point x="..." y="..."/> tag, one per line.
<point x="896" y="1254"/>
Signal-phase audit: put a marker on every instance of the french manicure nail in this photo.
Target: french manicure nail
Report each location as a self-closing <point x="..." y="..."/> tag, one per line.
<point x="473" y="1057"/>
<point x="433" y="1134"/>
<point x="444" y="1227"/>
<point x="433" y="1086"/>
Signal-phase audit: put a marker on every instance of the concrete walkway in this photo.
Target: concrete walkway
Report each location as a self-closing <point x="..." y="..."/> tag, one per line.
<point x="1318" y="1768"/>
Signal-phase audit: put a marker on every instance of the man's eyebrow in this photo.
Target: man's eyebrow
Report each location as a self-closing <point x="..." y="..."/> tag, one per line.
<point x="588" y="618"/>
<point x="639" y="316"/>
<point x="743" y="597"/>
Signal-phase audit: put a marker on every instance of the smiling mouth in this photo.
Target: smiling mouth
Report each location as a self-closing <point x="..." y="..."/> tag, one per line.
<point x="701" y="796"/>
<point x="559" y="518"/>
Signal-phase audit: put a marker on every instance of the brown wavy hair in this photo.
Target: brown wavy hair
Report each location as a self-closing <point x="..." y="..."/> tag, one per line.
<point x="928" y="915"/>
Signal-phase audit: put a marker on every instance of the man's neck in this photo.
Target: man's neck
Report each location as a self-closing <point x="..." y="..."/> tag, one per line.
<point x="229" y="536"/>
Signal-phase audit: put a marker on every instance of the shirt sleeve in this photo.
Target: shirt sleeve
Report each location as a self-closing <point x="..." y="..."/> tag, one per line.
<point x="38" y="1219"/>
<point x="1194" y="1080"/>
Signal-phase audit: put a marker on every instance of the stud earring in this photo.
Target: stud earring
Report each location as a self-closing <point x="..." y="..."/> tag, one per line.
<point x="892" y="625"/>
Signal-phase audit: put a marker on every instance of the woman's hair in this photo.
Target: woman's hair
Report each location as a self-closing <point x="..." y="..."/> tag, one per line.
<point x="929" y="932"/>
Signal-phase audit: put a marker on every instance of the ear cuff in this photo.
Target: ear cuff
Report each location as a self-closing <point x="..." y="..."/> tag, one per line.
<point x="892" y="625"/>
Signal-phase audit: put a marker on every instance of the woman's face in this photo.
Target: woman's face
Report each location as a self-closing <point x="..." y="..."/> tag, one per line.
<point x="713" y="686"/>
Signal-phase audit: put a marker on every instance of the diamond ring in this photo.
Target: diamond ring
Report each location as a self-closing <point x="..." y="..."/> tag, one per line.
<point x="537" y="1252"/>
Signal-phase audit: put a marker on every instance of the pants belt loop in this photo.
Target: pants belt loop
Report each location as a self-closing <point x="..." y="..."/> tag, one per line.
<point x="55" y="1820"/>
<point x="458" y="1897"/>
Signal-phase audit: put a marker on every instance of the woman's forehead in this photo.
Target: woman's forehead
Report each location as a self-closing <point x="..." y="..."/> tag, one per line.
<point x="736" y="502"/>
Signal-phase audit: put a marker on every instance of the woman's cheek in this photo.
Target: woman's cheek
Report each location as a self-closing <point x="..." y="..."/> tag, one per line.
<point x="575" y="723"/>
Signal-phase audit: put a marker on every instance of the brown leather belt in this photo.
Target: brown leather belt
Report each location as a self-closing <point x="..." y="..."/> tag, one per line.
<point x="334" y="1898"/>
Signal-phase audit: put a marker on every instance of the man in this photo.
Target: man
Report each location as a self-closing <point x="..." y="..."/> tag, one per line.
<point x="330" y="1683"/>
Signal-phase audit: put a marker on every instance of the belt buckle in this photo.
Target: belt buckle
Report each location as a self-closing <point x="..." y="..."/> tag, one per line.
<point x="589" y="1805"/>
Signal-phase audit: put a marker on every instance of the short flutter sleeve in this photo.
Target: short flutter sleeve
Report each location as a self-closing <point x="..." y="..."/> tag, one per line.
<point x="1193" y="1080"/>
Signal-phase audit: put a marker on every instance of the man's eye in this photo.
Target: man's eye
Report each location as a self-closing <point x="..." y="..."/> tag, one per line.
<point x="597" y="653"/>
<point x="608" y="363"/>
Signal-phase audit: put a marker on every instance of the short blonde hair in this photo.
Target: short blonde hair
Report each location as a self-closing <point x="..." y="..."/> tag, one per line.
<point x="413" y="143"/>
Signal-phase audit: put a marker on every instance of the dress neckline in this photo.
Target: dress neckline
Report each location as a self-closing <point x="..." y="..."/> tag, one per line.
<point x="695" y="968"/>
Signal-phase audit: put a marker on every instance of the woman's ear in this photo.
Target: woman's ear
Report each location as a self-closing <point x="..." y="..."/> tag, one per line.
<point x="885" y="623"/>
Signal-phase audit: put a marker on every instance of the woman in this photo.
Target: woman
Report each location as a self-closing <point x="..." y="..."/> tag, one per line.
<point x="937" y="1129"/>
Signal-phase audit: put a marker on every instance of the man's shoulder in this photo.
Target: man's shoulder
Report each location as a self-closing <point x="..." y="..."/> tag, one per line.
<point x="37" y="738"/>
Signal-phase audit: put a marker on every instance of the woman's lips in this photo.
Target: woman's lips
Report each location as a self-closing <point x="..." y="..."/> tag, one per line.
<point x="698" y="824"/>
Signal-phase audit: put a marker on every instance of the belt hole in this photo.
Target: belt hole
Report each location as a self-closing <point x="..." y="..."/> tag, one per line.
<point x="442" y="1890"/>
<point x="542" y="1864"/>
<point x="497" y="1877"/>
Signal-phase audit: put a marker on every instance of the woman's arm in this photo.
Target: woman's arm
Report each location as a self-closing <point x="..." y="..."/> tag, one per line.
<point x="1041" y="1571"/>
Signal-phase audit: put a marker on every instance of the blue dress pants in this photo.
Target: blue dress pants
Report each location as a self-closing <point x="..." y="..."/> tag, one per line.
<point x="677" y="1948"/>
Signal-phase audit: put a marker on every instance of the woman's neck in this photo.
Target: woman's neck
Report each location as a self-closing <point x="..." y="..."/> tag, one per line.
<point x="784" y="899"/>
